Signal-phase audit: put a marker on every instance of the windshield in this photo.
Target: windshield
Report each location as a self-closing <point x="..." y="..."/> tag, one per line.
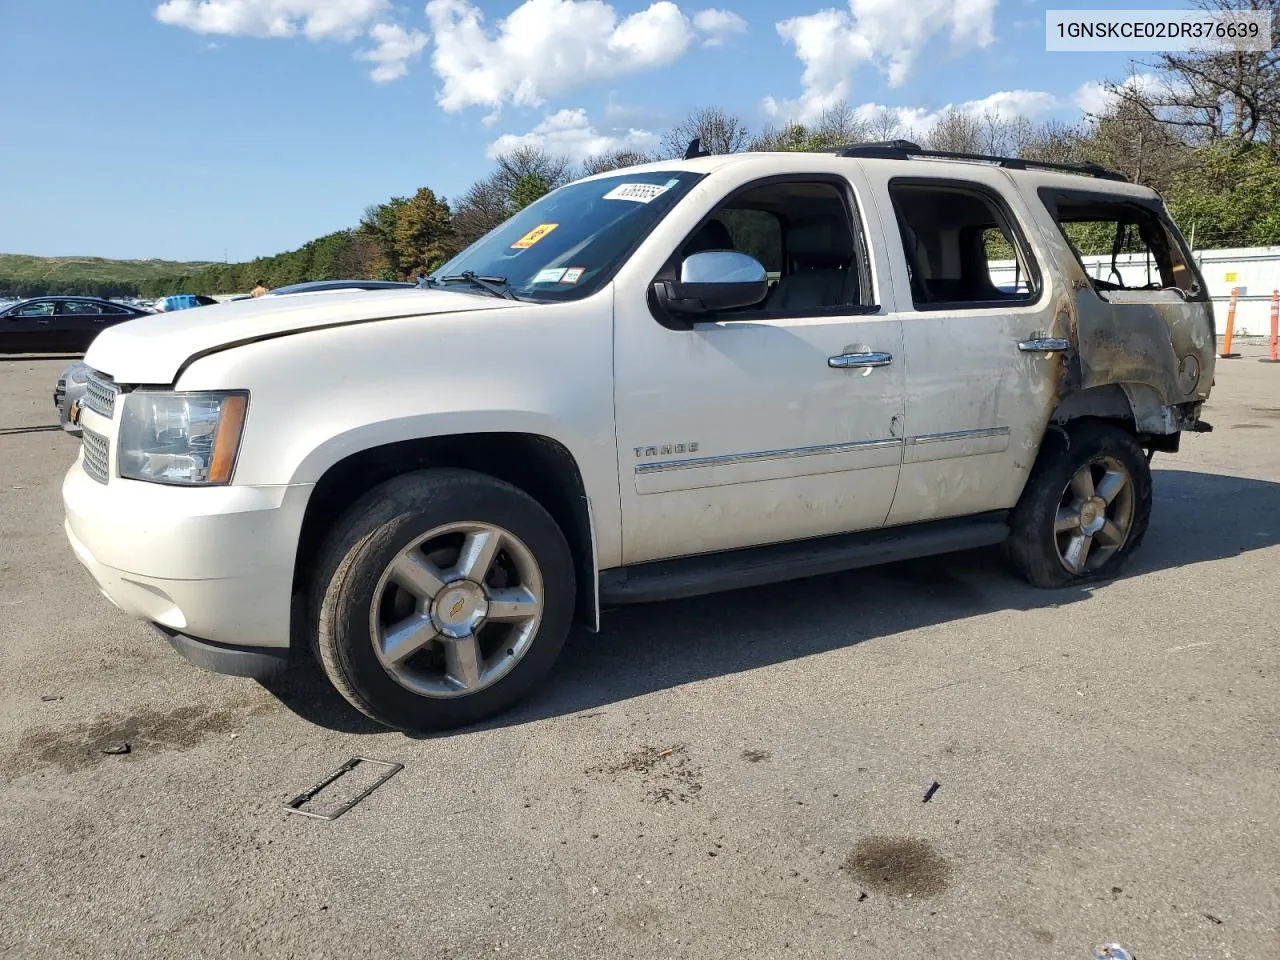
<point x="571" y="242"/>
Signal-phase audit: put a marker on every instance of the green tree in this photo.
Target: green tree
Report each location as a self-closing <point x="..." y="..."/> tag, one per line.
<point x="528" y="188"/>
<point x="423" y="234"/>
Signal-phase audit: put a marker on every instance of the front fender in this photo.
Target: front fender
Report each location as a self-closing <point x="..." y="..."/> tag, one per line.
<point x="321" y="396"/>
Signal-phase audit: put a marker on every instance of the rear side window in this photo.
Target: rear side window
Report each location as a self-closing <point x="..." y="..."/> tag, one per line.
<point x="961" y="247"/>
<point x="1125" y="247"/>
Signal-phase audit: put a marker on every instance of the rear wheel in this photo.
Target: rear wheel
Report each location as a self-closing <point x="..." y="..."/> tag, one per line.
<point x="444" y="596"/>
<point x="1084" y="510"/>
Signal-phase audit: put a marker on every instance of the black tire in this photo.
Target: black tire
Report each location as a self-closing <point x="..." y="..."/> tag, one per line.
<point x="1033" y="542"/>
<point x="365" y="541"/>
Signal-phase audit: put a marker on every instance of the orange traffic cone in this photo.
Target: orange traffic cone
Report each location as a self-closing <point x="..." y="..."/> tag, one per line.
<point x="1275" y="328"/>
<point x="1226" y="353"/>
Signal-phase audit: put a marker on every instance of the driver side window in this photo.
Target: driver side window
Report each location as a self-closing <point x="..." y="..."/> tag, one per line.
<point x="802" y="233"/>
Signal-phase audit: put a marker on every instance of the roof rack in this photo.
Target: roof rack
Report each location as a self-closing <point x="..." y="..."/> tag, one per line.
<point x="906" y="150"/>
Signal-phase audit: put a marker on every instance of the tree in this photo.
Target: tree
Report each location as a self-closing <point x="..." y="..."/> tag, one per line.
<point x="1229" y="197"/>
<point x="1231" y="96"/>
<point x="613" y="160"/>
<point x="379" y="224"/>
<point x="479" y="210"/>
<point x="423" y="234"/>
<point x="956" y="132"/>
<point x="528" y="188"/>
<point x="554" y="170"/>
<point x="719" y="131"/>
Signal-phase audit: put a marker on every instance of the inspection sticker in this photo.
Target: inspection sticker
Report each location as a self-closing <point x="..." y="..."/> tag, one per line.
<point x="549" y="275"/>
<point x="533" y="236"/>
<point x="639" y="192"/>
<point x="573" y="274"/>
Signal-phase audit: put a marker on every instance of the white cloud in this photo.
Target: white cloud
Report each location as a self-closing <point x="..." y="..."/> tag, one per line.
<point x="546" y="48"/>
<point x="718" y="26"/>
<point x="314" y="19"/>
<point x="1005" y="104"/>
<point x="1094" y="98"/>
<point x="395" y="47"/>
<point x="570" y="133"/>
<point x="889" y="34"/>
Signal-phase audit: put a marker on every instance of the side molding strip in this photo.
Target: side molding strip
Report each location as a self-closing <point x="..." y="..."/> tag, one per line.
<point x="730" y="458"/>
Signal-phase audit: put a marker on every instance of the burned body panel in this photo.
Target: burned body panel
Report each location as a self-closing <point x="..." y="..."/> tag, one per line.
<point x="1155" y="342"/>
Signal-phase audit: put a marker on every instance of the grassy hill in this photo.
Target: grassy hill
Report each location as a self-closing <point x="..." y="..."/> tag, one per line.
<point x="23" y="275"/>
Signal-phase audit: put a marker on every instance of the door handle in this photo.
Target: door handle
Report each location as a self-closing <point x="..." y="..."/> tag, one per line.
<point x="1043" y="345"/>
<point x="847" y="361"/>
<point x="43" y="322"/>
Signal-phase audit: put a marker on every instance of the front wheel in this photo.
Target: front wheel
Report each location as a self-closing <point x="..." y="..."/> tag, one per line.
<point x="1084" y="510"/>
<point x="443" y="597"/>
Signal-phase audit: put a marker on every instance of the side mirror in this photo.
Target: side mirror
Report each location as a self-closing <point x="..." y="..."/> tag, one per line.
<point x="715" y="280"/>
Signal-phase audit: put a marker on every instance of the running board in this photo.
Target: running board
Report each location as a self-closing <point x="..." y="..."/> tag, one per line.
<point x="756" y="566"/>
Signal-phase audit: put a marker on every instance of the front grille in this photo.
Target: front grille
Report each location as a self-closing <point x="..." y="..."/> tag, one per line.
<point x="97" y="455"/>
<point x="100" y="396"/>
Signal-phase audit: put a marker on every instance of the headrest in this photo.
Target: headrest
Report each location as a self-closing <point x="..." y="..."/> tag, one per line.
<point x="714" y="235"/>
<point x="825" y="241"/>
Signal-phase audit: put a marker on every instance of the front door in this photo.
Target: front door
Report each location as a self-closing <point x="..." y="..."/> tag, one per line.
<point x="984" y="335"/>
<point x="769" y="424"/>
<point x="28" y="327"/>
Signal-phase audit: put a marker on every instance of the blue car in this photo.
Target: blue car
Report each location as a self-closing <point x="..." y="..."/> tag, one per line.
<point x="182" y="301"/>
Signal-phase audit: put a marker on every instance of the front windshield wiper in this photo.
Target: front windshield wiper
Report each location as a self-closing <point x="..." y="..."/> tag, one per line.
<point x="498" y="286"/>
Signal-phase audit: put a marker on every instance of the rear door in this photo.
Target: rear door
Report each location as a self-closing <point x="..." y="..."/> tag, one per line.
<point x="982" y="341"/>
<point x="77" y="322"/>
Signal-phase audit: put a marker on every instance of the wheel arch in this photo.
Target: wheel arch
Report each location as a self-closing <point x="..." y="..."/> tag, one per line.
<point x="1137" y="407"/>
<point x="539" y="465"/>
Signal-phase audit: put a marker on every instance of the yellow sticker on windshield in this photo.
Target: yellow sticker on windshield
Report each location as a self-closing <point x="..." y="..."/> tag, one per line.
<point x="533" y="236"/>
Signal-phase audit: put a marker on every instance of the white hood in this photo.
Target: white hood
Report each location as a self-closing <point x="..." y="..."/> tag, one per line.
<point x="153" y="349"/>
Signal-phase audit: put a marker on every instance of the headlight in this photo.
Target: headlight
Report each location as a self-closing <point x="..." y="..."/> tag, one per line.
<point x="181" y="438"/>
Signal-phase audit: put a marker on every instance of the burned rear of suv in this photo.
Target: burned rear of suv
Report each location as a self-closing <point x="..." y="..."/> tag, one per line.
<point x="1142" y="325"/>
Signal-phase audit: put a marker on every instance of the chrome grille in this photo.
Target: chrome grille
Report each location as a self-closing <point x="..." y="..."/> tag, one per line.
<point x="100" y="396"/>
<point x="97" y="455"/>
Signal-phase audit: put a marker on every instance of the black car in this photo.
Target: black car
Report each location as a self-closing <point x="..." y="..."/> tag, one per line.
<point x="59" y="324"/>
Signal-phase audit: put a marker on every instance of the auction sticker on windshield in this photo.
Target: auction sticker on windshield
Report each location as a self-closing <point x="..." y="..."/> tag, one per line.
<point x="533" y="236"/>
<point x="639" y="192"/>
<point x="573" y="275"/>
<point x="549" y="275"/>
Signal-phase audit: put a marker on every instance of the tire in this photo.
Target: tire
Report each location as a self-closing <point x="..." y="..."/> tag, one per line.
<point x="1042" y="544"/>
<point x="356" y="643"/>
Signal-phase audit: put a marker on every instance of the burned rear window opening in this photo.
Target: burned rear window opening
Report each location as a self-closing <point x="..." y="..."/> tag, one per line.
<point x="1141" y="252"/>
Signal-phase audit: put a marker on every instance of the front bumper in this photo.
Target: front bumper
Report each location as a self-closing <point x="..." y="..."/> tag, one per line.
<point x="213" y="565"/>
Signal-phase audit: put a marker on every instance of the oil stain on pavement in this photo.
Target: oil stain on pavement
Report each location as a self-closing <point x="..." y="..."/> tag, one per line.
<point x="898" y="866"/>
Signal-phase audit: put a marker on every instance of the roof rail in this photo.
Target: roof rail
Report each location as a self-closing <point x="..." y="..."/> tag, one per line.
<point x="906" y="150"/>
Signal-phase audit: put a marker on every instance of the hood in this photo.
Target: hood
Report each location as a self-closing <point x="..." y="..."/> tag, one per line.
<point x="153" y="349"/>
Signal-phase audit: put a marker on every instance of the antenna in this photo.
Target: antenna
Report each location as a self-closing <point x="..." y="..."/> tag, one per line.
<point x="695" y="150"/>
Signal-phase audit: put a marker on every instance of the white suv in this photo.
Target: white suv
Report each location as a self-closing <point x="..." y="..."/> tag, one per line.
<point x="677" y="378"/>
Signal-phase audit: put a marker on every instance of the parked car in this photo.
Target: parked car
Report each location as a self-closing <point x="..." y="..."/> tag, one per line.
<point x="59" y="324"/>
<point x="606" y="400"/>
<point x="182" y="301"/>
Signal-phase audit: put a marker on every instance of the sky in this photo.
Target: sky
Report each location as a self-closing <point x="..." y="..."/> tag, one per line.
<point x="229" y="129"/>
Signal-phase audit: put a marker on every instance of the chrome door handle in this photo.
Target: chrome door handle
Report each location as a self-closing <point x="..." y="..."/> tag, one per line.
<point x="846" y="361"/>
<point x="1044" y="345"/>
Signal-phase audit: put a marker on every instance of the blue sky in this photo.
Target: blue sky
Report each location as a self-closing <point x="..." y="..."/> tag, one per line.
<point x="204" y="129"/>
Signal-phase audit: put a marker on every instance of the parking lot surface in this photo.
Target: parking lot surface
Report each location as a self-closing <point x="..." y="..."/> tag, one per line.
<point x="734" y="776"/>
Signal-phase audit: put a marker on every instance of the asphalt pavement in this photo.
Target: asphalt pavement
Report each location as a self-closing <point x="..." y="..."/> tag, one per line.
<point x="734" y="776"/>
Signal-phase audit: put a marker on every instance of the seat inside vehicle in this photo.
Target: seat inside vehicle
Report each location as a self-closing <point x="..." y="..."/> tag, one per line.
<point x="820" y="254"/>
<point x="801" y="233"/>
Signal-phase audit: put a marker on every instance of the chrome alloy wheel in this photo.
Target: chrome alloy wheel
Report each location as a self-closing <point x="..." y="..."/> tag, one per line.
<point x="456" y="609"/>
<point x="1095" y="515"/>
